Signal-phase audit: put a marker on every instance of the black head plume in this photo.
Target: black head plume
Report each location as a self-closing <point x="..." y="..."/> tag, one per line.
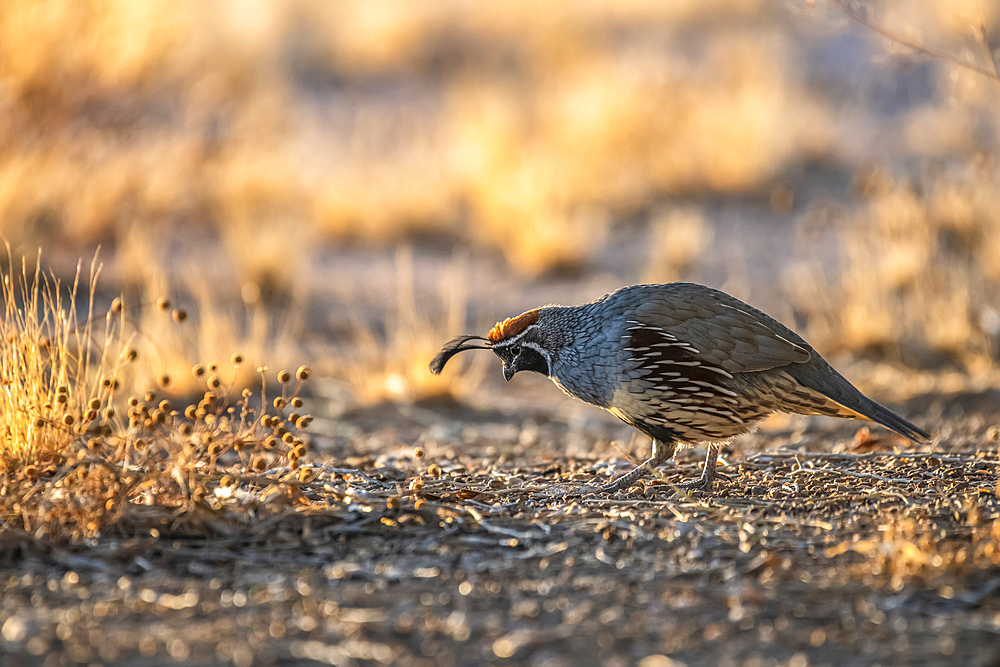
<point x="453" y="347"/>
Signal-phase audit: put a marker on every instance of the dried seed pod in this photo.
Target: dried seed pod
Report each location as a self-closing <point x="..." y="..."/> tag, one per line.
<point x="392" y="502"/>
<point x="236" y="360"/>
<point x="186" y="429"/>
<point x="284" y="377"/>
<point x="165" y="406"/>
<point x="90" y="415"/>
<point x="303" y="373"/>
<point x="68" y="420"/>
<point x="61" y="399"/>
<point x="306" y="475"/>
<point x="434" y="470"/>
<point x="418" y="452"/>
<point x="116" y="305"/>
<point x="164" y="380"/>
<point x="133" y="401"/>
<point x="150" y="397"/>
<point x="270" y="442"/>
<point x="95" y="404"/>
<point x="260" y="464"/>
<point x="214" y="382"/>
<point x="130" y="354"/>
<point x="279" y="403"/>
<point x="109" y="412"/>
<point x="163" y="303"/>
<point x="197" y="370"/>
<point x="93" y="444"/>
<point x="288" y="438"/>
<point x="303" y="422"/>
<point x="179" y="315"/>
<point x="189" y="412"/>
<point x="39" y="422"/>
<point x="213" y="367"/>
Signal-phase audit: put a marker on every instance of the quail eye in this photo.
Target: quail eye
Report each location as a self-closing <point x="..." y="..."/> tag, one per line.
<point x="516" y="350"/>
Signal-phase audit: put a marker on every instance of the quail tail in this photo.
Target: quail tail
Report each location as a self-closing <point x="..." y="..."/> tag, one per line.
<point x="886" y="417"/>
<point x="821" y="377"/>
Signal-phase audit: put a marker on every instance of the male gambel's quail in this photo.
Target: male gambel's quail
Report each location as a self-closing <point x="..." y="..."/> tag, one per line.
<point x="680" y="362"/>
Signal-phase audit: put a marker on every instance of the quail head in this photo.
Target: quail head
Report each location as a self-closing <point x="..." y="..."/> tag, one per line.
<point x="682" y="363"/>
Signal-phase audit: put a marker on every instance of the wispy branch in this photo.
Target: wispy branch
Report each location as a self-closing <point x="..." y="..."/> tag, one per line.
<point x="860" y="17"/>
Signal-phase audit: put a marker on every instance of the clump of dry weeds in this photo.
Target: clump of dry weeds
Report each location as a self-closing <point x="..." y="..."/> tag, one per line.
<point x="78" y="456"/>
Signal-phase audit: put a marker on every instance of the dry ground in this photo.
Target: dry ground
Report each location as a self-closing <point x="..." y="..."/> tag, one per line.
<point x="818" y="549"/>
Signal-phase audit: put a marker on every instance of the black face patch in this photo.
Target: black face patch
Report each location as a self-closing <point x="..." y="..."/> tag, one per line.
<point x="531" y="360"/>
<point x="517" y="357"/>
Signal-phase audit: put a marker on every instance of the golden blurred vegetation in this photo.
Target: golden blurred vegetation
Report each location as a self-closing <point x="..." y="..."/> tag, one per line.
<point x="540" y="132"/>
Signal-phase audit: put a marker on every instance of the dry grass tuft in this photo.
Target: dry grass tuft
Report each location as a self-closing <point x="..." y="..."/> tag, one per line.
<point x="57" y="371"/>
<point x="77" y="456"/>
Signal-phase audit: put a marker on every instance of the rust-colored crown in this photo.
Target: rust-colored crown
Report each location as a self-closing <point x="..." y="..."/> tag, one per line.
<point x="512" y="326"/>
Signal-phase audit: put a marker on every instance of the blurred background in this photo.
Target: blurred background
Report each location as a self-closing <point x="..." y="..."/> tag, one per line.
<point x="349" y="184"/>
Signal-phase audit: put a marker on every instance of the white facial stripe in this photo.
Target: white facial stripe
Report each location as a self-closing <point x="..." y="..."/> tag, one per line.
<point x="513" y="340"/>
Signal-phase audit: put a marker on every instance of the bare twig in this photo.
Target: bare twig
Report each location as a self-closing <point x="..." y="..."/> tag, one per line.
<point x="987" y="51"/>
<point x="931" y="51"/>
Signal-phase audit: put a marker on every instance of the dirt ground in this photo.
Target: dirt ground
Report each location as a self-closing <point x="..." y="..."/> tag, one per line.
<point x="824" y="546"/>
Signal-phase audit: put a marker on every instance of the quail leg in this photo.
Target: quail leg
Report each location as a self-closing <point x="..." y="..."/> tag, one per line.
<point x="662" y="451"/>
<point x="708" y="473"/>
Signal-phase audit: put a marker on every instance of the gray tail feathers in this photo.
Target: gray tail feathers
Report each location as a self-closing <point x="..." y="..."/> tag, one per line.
<point x="820" y="376"/>
<point x="886" y="417"/>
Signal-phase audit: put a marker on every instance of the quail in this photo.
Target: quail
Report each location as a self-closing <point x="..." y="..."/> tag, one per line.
<point x="680" y="362"/>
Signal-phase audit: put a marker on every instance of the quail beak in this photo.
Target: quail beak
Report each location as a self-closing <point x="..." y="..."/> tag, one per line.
<point x="508" y="371"/>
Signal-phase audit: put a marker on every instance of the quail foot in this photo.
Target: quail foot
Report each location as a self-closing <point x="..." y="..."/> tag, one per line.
<point x="680" y="362"/>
